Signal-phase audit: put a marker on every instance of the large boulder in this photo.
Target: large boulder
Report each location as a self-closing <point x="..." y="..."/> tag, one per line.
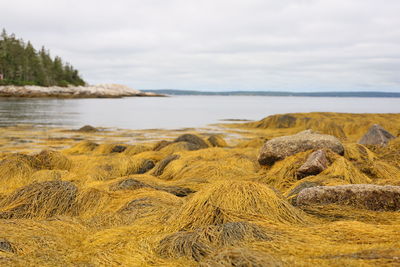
<point x="376" y="135"/>
<point x="315" y="163"/>
<point x="282" y="147"/>
<point x="365" y="196"/>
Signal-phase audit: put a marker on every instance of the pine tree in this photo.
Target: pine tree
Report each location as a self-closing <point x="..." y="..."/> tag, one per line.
<point x="21" y="64"/>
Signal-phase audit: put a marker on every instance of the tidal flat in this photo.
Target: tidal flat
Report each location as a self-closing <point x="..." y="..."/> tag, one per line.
<point x="204" y="196"/>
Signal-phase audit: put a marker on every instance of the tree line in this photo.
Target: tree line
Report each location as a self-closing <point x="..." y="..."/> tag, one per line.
<point x="22" y="64"/>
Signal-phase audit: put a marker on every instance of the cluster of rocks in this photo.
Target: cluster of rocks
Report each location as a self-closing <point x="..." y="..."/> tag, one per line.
<point x="91" y="91"/>
<point x="373" y="197"/>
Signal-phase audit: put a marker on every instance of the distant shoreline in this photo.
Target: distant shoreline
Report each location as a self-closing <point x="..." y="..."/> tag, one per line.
<point x="272" y="93"/>
<point x="96" y="91"/>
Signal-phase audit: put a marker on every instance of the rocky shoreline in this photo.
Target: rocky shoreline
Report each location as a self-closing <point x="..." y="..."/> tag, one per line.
<point x="90" y="91"/>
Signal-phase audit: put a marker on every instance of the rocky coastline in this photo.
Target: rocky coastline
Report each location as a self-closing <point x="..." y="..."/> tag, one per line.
<point x="90" y="91"/>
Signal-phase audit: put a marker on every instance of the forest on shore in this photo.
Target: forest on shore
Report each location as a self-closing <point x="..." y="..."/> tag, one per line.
<point x="21" y="64"/>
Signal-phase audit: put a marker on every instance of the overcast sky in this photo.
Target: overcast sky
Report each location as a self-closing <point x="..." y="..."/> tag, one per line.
<point x="293" y="45"/>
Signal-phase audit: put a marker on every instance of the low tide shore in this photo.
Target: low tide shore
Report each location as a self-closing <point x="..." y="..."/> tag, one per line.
<point x="204" y="197"/>
<point x="95" y="91"/>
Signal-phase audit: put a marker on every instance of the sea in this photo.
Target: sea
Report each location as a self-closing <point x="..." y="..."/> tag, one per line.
<point x="174" y="112"/>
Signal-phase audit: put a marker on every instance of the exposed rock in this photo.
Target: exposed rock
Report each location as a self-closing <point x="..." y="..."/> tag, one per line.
<point x="146" y="166"/>
<point x="88" y="129"/>
<point x="282" y="147"/>
<point x="6" y="246"/>
<point x="193" y="139"/>
<point x="159" y="168"/>
<point x="315" y="163"/>
<point x="217" y="141"/>
<point x="376" y="135"/>
<point x="118" y="149"/>
<point x="365" y="196"/>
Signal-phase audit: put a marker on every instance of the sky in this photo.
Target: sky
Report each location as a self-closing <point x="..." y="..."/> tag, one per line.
<point x="220" y="45"/>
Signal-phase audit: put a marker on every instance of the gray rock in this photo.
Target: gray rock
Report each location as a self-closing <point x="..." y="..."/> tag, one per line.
<point x="364" y="196"/>
<point x="315" y="163"/>
<point x="376" y="135"/>
<point x="282" y="147"/>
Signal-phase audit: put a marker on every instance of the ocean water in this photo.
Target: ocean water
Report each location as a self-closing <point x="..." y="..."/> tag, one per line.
<point x="176" y="111"/>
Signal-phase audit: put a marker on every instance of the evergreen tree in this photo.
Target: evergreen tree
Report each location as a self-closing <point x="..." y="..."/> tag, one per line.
<point x="21" y="64"/>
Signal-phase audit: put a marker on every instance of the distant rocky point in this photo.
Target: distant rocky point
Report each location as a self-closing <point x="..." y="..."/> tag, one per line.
<point x="91" y="91"/>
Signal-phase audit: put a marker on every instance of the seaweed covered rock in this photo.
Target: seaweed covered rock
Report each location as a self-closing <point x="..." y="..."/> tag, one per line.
<point x="53" y="160"/>
<point x="118" y="149"/>
<point x="192" y="139"/>
<point x="161" y="144"/>
<point x="82" y="147"/>
<point x="217" y="141"/>
<point x="315" y="163"/>
<point x="202" y="241"/>
<point x="282" y="147"/>
<point x="176" y="190"/>
<point x="88" y="129"/>
<point x="365" y="196"/>
<point x="39" y="200"/>
<point x="376" y="135"/>
<point x="226" y="201"/>
<point x="6" y="246"/>
<point x="160" y="166"/>
<point x="145" y="166"/>
<point x="18" y="165"/>
<point x="128" y="184"/>
<point x="134" y="184"/>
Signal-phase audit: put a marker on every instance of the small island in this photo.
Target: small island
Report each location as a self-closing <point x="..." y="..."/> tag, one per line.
<point x="27" y="72"/>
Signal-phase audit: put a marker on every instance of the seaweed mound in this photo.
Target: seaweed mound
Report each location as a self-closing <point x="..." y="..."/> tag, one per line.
<point x="201" y="242"/>
<point x="240" y="257"/>
<point x="229" y="201"/>
<point x="87" y="129"/>
<point x="39" y="200"/>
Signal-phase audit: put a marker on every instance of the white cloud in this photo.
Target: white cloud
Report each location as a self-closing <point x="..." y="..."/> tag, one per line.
<point x="303" y="45"/>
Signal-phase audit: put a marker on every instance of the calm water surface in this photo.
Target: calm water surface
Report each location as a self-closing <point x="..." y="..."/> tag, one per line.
<point x="175" y="112"/>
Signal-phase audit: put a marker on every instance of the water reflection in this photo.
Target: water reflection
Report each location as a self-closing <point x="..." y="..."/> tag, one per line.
<point x="37" y="111"/>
